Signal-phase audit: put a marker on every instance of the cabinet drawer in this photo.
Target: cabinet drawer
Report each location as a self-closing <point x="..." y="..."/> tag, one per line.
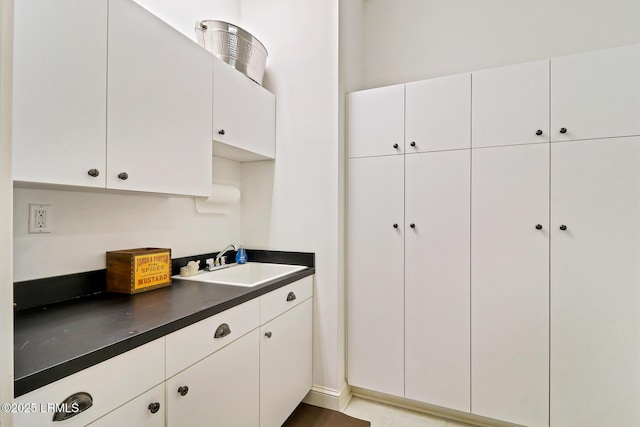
<point x="277" y="302"/>
<point x="110" y="384"/>
<point x="193" y="343"/>
<point x="139" y="412"/>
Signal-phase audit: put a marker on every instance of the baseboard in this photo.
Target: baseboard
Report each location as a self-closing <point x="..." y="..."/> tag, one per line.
<point x="449" y="414"/>
<point x="329" y="398"/>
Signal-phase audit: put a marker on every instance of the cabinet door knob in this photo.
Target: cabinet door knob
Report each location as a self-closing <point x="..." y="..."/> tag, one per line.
<point x="563" y="227"/>
<point x="539" y="227"/>
<point x="222" y="331"/>
<point x="81" y="400"/>
<point x="413" y="143"/>
<point x="291" y="296"/>
<point x="412" y="225"/>
<point x="123" y="175"/>
<point x="221" y="132"/>
<point x="154" y="407"/>
<point x="539" y="132"/>
<point x="395" y="225"/>
<point x="563" y="130"/>
<point x="183" y="390"/>
<point x="395" y="145"/>
<point x="268" y="334"/>
<point x="93" y="172"/>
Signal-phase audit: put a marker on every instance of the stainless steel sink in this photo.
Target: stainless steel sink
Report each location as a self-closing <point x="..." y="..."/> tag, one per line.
<point x="247" y="275"/>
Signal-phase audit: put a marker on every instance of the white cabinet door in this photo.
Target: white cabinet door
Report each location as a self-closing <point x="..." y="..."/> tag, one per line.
<point x="159" y="107"/>
<point x="244" y="116"/>
<point x="510" y="284"/>
<point x="220" y="390"/>
<point x="376" y="121"/>
<point x="596" y="94"/>
<point x="285" y="363"/>
<point x="437" y="290"/>
<point x="146" y="410"/>
<point x="438" y="114"/>
<point x="595" y="297"/>
<point x="59" y="92"/>
<point x="375" y="315"/>
<point x="510" y="105"/>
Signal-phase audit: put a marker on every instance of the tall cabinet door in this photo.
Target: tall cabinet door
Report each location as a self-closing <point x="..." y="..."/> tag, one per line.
<point x="595" y="277"/>
<point x="59" y="92"/>
<point x="375" y="315"/>
<point x="510" y="105"/>
<point x="510" y="284"/>
<point x="159" y="112"/>
<point x="376" y="121"/>
<point x="596" y="94"/>
<point x="437" y="289"/>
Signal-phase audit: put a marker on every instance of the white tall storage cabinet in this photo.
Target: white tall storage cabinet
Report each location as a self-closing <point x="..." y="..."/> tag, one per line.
<point x="408" y="228"/>
<point x="543" y="224"/>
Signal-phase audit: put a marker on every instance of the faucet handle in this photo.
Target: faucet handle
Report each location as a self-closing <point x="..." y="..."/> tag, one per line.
<point x="223" y="260"/>
<point x="210" y="263"/>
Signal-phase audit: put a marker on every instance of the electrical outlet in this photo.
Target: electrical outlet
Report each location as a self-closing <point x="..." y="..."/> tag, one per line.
<point x="40" y="219"/>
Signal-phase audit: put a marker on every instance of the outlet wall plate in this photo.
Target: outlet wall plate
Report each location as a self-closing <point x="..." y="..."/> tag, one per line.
<point x="40" y="218"/>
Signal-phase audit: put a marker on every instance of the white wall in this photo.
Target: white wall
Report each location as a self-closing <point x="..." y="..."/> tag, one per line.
<point x="183" y="14"/>
<point x="293" y="203"/>
<point x="6" y="188"/>
<point x="408" y="40"/>
<point x="88" y="223"/>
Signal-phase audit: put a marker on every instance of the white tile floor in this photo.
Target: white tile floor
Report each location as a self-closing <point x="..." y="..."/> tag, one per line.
<point x="382" y="415"/>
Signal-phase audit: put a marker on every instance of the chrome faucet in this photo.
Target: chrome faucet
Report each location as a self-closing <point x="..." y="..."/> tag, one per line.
<point x="224" y="251"/>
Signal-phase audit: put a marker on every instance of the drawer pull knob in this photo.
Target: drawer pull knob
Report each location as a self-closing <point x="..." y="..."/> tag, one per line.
<point x="154" y="407"/>
<point x="222" y="331"/>
<point x="413" y="143"/>
<point x="395" y="145"/>
<point x="73" y="405"/>
<point x="563" y="130"/>
<point x="221" y="132"/>
<point x="123" y="176"/>
<point x="291" y="296"/>
<point x="539" y="227"/>
<point x="93" y="172"/>
<point x="268" y="334"/>
<point x="563" y="227"/>
<point x="183" y="390"/>
<point x="539" y="132"/>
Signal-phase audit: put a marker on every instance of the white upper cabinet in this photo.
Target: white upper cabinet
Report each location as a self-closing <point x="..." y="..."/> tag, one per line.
<point x="376" y="121"/>
<point x="510" y="105"/>
<point x="159" y="106"/>
<point x="438" y="114"/>
<point x="59" y="92"/>
<point x="596" y="95"/>
<point x="244" y="116"/>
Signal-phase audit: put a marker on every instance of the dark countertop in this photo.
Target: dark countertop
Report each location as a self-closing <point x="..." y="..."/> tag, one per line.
<point x="55" y="341"/>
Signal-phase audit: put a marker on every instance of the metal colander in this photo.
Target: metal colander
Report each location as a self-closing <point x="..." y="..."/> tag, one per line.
<point x="234" y="46"/>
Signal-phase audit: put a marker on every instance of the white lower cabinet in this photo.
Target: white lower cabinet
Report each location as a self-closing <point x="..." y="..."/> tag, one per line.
<point x="146" y="410"/>
<point x="248" y="366"/>
<point x="220" y="390"/>
<point x="285" y="363"/>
